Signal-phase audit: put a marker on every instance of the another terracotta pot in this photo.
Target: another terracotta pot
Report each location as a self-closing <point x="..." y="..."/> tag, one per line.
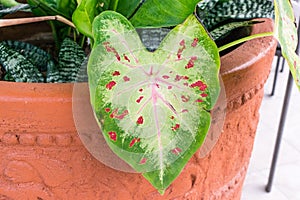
<point x="42" y="157"/>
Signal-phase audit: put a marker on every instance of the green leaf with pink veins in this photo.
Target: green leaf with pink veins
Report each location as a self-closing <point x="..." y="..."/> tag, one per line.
<point x="153" y="107"/>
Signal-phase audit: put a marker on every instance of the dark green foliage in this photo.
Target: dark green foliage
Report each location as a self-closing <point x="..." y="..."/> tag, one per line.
<point x="38" y="57"/>
<point x="63" y="8"/>
<point x="5" y="10"/>
<point x="214" y="13"/>
<point x="223" y="31"/>
<point x="167" y="13"/>
<point x="18" y="67"/>
<point x="70" y="59"/>
<point x="25" y="62"/>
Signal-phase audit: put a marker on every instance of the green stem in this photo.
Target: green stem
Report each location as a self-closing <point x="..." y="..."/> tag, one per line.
<point x="82" y="41"/>
<point x="115" y="5"/>
<point x="54" y="33"/>
<point x="245" y="39"/>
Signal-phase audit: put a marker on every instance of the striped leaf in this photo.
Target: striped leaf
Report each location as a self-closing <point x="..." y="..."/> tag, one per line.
<point x="18" y="67"/>
<point x="224" y="30"/>
<point x="38" y="57"/>
<point x="214" y="13"/>
<point x="70" y="59"/>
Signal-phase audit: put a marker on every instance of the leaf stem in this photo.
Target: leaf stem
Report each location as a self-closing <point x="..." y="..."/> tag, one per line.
<point x="115" y="5"/>
<point x="245" y="39"/>
<point x="12" y="22"/>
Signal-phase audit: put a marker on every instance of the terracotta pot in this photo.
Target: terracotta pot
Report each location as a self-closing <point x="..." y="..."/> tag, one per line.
<point x="42" y="156"/>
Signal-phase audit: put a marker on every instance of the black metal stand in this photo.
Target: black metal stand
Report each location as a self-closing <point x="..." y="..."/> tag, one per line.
<point x="279" y="56"/>
<point x="280" y="131"/>
<point x="283" y="114"/>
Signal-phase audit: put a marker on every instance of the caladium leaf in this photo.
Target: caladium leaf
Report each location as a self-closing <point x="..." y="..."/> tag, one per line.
<point x="153" y="107"/>
<point x="286" y="33"/>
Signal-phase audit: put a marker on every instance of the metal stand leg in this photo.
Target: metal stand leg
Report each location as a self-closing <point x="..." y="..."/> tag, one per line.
<point x="275" y="76"/>
<point x="280" y="131"/>
<point x="282" y="66"/>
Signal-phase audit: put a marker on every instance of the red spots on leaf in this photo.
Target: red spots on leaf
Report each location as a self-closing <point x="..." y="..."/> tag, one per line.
<point x="116" y="73"/>
<point x="202" y="86"/>
<point x="191" y="62"/>
<point x="126" y="78"/>
<point x="115" y="114"/>
<point x="126" y="58"/>
<point x="204" y="95"/>
<point x="184" y="110"/>
<point x="109" y="48"/>
<point x="139" y="99"/>
<point x="186" y="84"/>
<point x="112" y="135"/>
<point x="166" y="77"/>
<point x="177" y="126"/>
<point x="141" y="90"/>
<point x="143" y="161"/>
<point x="110" y="85"/>
<point x="107" y="109"/>
<point x="185" y="99"/>
<point x="172" y="117"/>
<point x="195" y="42"/>
<point x="199" y="101"/>
<point x="176" y="151"/>
<point x="157" y="85"/>
<point x="169" y="87"/>
<point x="182" y="43"/>
<point x="295" y="64"/>
<point x="180" y="50"/>
<point x="135" y="140"/>
<point x="140" y="120"/>
<point x="178" y="78"/>
<point x="293" y="37"/>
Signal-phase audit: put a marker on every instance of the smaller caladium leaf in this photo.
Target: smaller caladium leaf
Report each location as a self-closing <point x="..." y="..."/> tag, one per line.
<point x="286" y="33"/>
<point x="153" y="108"/>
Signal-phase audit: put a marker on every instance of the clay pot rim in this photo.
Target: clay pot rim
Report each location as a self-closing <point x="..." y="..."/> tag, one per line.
<point x="246" y="54"/>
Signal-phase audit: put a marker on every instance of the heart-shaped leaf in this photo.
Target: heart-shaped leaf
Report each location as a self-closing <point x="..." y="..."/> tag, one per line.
<point x="286" y="33"/>
<point x="153" y="108"/>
